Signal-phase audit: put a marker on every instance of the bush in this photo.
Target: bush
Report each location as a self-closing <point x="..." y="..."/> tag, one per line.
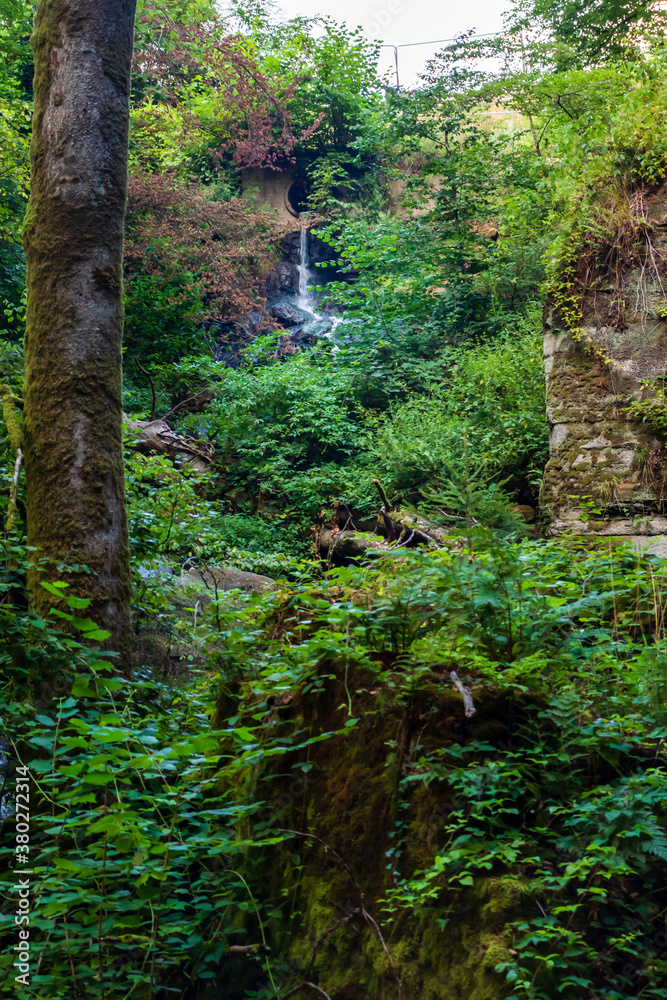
<point x="190" y="260"/>
<point x="287" y="431"/>
<point x="486" y="414"/>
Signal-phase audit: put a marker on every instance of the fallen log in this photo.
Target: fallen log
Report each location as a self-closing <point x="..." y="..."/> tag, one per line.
<point x="410" y="529"/>
<point x="156" y="437"/>
<point x="395" y="529"/>
<point x="349" y="544"/>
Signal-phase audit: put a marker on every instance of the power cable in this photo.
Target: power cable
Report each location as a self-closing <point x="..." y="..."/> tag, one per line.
<point x="439" y="41"/>
<point x="434" y="41"/>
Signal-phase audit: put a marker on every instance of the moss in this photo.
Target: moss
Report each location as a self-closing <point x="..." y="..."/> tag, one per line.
<point x="73" y="235"/>
<point x="502" y="897"/>
<point x="602" y="357"/>
<point x="10" y="416"/>
<point x="446" y="950"/>
<point x="495" y="952"/>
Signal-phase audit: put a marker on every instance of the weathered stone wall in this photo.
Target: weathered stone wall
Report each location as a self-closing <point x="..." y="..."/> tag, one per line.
<point x="606" y="462"/>
<point x="270" y="188"/>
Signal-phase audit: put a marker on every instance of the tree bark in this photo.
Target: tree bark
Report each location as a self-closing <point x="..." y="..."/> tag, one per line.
<point x="74" y="244"/>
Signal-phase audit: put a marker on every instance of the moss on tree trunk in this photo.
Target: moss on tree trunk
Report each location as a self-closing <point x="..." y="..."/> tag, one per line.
<point x="74" y="243"/>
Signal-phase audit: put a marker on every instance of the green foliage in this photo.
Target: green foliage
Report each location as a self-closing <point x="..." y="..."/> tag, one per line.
<point x="157" y="795"/>
<point x="288" y="431"/>
<point x="139" y="855"/>
<point x="587" y="33"/>
<point x="171" y="521"/>
<point x="341" y="86"/>
<point x="347" y="185"/>
<point x="209" y="98"/>
<point x="653" y="408"/>
<point x="570" y="812"/>
<point x="309" y="430"/>
<point x="35" y="651"/>
<point x="574" y="806"/>
<point x="15" y="111"/>
<point x="582" y="842"/>
<point x="155" y="833"/>
<point x="487" y="402"/>
<point x="161" y="323"/>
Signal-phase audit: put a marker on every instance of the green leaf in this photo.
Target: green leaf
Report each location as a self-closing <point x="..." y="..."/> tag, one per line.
<point x="81" y="688"/>
<point x="55" y="588"/>
<point x="69" y="866"/>
<point x="99" y="777"/>
<point x="79" y="603"/>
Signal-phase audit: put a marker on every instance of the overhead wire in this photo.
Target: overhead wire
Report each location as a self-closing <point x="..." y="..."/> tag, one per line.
<point x="433" y="41"/>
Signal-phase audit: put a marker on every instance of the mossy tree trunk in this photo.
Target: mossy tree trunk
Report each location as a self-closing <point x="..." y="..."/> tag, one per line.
<point x="74" y="244"/>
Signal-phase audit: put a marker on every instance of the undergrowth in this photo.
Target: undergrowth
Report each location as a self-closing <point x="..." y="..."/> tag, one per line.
<point x="157" y="803"/>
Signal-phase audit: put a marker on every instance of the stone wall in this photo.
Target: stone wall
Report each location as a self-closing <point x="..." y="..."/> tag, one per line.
<point x="607" y="473"/>
<point x="270" y="189"/>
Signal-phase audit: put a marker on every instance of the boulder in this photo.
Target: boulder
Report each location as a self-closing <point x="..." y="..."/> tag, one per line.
<point x="289" y="315"/>
<point x="525" y="512"/>
<point x="230" y="579"/>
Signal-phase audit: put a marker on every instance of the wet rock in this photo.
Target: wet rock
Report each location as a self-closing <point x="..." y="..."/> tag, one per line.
<point x="300" y="337"/>
<point x="289" y="314"/>
<point x="317" y="328"/>
<point x="284" y="280"/>
<point x="230" y="579"/>
<point x="147" y="571"/>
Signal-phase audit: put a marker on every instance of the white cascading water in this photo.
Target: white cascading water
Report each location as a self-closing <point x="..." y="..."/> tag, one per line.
<point x="305" y="300"/>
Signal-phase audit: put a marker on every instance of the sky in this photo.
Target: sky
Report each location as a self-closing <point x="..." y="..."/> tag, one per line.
<point x="400" y="22"/>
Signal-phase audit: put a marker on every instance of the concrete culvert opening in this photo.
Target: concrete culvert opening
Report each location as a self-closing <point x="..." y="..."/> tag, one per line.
<point x="297" y="196"/>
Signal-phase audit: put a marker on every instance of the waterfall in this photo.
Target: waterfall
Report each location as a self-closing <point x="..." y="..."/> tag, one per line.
<point x="317" y="324"/>
<point x="305" y="300"/>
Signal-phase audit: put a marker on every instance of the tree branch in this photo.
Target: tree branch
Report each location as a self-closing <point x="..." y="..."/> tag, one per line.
<point x="468" y="703"/>
<point x="150" y="379"/>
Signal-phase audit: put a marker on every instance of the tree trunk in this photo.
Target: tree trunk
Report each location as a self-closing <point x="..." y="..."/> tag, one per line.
<point x="74" y="244"/>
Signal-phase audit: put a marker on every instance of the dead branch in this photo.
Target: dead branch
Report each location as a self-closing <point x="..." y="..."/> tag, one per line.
<point x="383" y="495"/>
<point x="312" y="986"/>
<point x="384" y="510"/>
<point x="249" y="949"/>
<point x="468" y="703"/>
<point x="403" y="541"/>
